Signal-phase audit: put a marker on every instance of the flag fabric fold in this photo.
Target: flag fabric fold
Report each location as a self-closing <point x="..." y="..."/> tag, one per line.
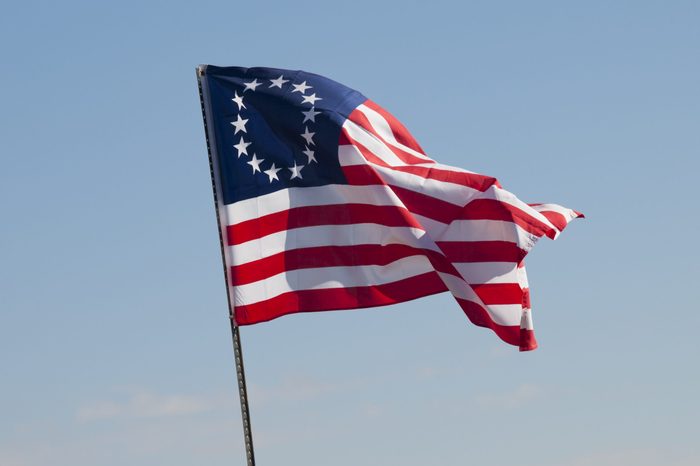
<point x="326" y="202"/>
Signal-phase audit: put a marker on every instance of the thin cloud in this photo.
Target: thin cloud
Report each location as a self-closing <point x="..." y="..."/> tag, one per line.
<point x="146" y="404"/>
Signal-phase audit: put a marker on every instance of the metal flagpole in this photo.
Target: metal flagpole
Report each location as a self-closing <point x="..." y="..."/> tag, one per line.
<point x="237" y="351"/>
<point x="242" y="394"/>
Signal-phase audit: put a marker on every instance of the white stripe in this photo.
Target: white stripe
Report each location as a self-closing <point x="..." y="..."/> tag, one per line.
<point x="383" y="129"/>
<point x="502" y="314"/>
<point x="453" y="193"/>
<point x="372" y="143"/>
<point x="447" y="168"/>
<point x="356" y="158"/>
<point x="505" y="314"/>
<point x="568" y="214"/>
<point x="328" y="235"/>
<point x="434" y="228"/>
<point x="330" y="277"/>
<point x="459" y="288"/>
<point x="351" y="155"/>
<point x="522" y="278"/>
<point x="554" y="208"/>
<point x="526" y="320"/>
<point x="502" y="195"/>
<point x="429" y="163"/>
<point x="286" y="199"/>
<point x="477" y="230"/>
<point x="488" y="272"/>
<point x="485" y="230"/>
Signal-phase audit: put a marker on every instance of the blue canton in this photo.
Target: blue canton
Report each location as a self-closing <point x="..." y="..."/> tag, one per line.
<point x="276" y="128"/>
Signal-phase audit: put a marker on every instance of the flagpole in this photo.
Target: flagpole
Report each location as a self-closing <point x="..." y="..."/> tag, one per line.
<point x="235" y="334"/>
<point x="242" y="394"/>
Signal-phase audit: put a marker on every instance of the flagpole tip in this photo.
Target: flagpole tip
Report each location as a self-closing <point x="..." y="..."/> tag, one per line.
<point x="201" y="69"/>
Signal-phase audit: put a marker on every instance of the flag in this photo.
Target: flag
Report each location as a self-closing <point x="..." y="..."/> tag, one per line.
<point x="325" y="202"/>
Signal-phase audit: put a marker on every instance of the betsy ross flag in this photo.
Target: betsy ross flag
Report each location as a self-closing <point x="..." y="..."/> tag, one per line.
<point x="325" y="202"/>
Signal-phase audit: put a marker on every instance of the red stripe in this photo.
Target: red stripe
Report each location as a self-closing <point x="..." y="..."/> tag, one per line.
<point x="525" y="339"/>
<point x="503" y="293"/>
<point x="344" y="139"/>
<point x="400" y="132"/>
<point x="323" y="256"/>
<point x="499" y="293"/>
<point x="446" y="212"/>
<point x="340" y="298"/>
<point x="371" y="296"/>
<point x="366" y="153"/>
<point x="428" y="206"/>
<point x="373" y="254"/>
<point x="557" y="219"/>
<point x="481" y="251"/>
<point x="362" y="175"/>
<point x="335" y="214"/>
<point x="470" y="180"/>
<point x="526" y="298"/>
<point x="415" y="202"/>
<point x="361" y="120"/>
<point x="491" y="209"/>
<point x="391" y="293"/>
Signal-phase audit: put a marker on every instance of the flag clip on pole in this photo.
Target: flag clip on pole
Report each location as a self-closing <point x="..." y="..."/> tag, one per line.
<point x="220" y="215"/>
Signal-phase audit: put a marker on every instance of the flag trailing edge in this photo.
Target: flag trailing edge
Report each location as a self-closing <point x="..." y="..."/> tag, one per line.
<point x="326" y="202"/>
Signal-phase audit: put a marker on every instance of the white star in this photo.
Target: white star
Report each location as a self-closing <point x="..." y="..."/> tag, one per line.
<point x="242" y="147"/>
<point x="310" y="154"/>
<point x="251" y="85"/>
<point x="301" y="87"/>
<point x="239" y="100"/>
<point x="310" y="99"/>
<point x="310" y="115"/>
<point x="239" y="124"/>
<point x="308" y="136"/>
<point x="278" y="82"/>
<point x="296" y="171"/>
<point x="272" y="173"/>
<point x="255" y="163"/>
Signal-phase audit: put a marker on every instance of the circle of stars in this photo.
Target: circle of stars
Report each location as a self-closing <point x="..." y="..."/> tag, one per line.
<point x="309" y="119"/>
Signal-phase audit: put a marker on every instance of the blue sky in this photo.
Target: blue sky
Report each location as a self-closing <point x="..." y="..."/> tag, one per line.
<point x="114" y="340"/>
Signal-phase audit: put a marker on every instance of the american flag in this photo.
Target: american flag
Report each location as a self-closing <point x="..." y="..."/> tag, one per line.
<point x="326" y="202"/>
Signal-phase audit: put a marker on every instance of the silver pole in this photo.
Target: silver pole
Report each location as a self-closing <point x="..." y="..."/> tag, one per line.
<point x="237" y="351"/>
<point x="243" y="394"/>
